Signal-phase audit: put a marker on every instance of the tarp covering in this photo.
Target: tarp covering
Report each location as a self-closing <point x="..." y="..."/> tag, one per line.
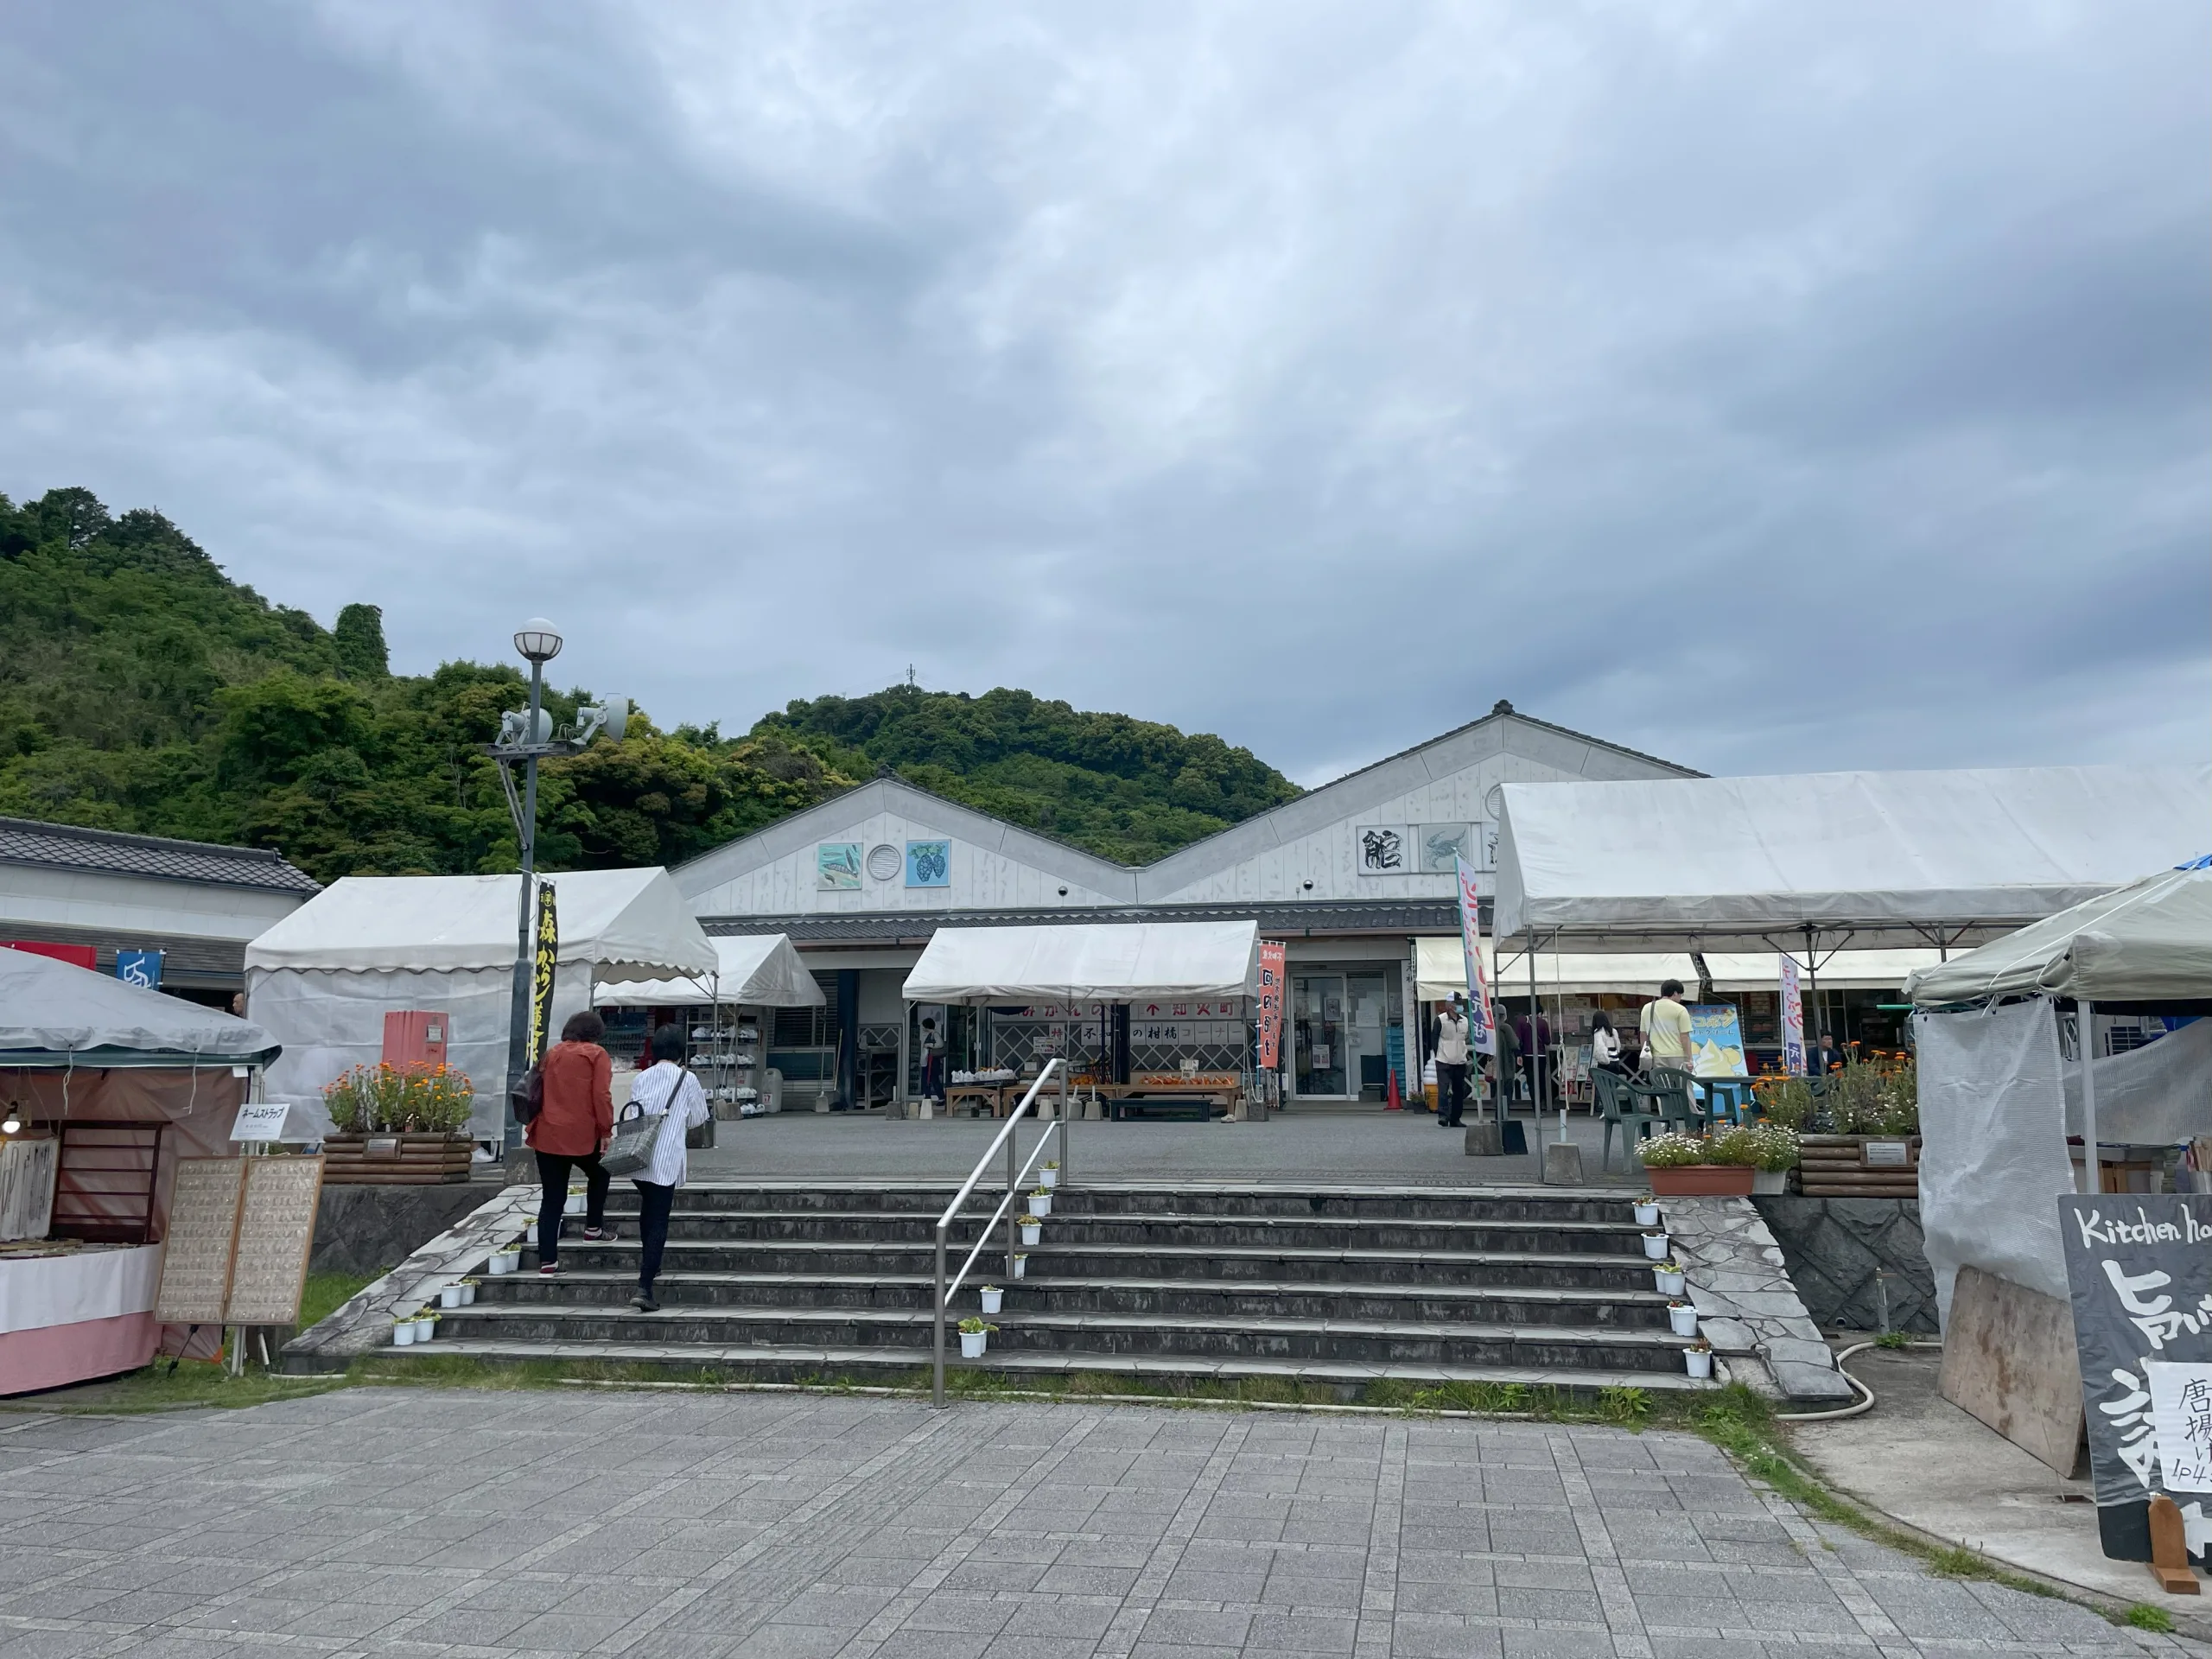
<point x="626" y="924"/>
<point x="1993" y="1153"/>
<point x="54" y="1013"/>
<point x="2149" y="941"/>
<point x="758" y="970"/>
<point x="1099" y="961"/>
<point x="1877" y="852"/>
<point x="1570" y="973"/>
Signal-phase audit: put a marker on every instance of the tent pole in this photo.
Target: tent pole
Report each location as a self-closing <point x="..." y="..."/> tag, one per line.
<point x="1812" y="983"/>
<point x="2085" y="1039"/>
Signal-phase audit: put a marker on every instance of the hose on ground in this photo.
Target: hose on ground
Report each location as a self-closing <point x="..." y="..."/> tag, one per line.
<point x="1862" y="1405"/>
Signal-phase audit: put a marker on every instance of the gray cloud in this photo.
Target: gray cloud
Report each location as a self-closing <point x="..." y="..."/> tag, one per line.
<point x="1765" y="388"/>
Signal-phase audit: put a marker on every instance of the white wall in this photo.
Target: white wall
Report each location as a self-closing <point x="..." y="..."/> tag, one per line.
<point x="100" y="902"/>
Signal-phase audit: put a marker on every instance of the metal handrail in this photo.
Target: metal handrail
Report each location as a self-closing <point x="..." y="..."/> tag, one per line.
<point x="1015" y="1178"/>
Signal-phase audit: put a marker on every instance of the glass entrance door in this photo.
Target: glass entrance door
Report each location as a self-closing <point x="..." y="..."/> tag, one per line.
<point x="1367" y="1035"/>
<point x="1318" y="1029"/>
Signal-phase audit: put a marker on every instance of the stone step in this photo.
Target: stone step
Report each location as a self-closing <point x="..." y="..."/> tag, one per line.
<point x="1386" y="1344"/>
<point x="1503" y="1204"/>
<point x="1077" y="1224"/>
<point x="1217" y="1300"/>
<point x="809" y="1362"/>
<point x="1620" y="1274"/>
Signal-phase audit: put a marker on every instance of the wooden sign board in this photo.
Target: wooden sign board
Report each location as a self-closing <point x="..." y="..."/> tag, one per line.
<point x="201" y="1240"/>
<point x="276" y="1232"/>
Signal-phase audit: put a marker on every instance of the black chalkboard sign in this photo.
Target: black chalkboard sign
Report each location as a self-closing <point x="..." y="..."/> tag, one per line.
<point x="2139" y="1268"/>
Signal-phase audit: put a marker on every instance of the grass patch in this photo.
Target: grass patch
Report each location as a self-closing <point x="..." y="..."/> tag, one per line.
<point x="2144" y="1617"/>
<point x="326" y="1292"/>
<point x="1893" y="1339"/>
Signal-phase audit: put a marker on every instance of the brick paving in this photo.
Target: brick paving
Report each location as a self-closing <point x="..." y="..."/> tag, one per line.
<point x="667" y="1526"/>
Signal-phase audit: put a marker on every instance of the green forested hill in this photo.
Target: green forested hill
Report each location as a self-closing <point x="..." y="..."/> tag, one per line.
<point x="141" y="688"/>
<point x="1128" y="789"/>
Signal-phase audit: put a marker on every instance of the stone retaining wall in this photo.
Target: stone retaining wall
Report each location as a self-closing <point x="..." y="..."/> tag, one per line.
<point x="1834" y="1248"/>
<point x="374" y="1228"/>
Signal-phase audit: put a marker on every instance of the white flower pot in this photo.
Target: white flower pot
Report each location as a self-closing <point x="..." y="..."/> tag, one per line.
<point x="971" y="1346"/>
<point x="505" y="1260"/>
<point x="1668" y="1284"/>
<point x="1684" y="1320"/>
<point x="467" y="1295"/>
<point x="1021" y="1266"/>
<point x="403" y="1335"/>
<point x="1699" y="1360"/>
<point x="425" y="1329"/>
<point x="1647" y="1215"/>
<point x="1048" y="1178"/>
<point x="575" y="1205"/>
<point x="1040" y="1207"/>
<point x="453" y="1296"/>
<point x="1033" y="1235"/>
<point x="992" y="1299"/>
<point x="1655" y="1246"/>
<point x="1769" y="1180"/>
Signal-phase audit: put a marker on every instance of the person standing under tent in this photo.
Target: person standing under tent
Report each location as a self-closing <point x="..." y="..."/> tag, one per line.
<point x="1448" y="1042"/>
<point x="1505" y="1065"/>
<point x="1666" y="1028"/>
<point x="1534" y="1038"/>
<point x="669" y="1091"/>
<point x="933" y="1061"/>
<point x="570" y="1131"/>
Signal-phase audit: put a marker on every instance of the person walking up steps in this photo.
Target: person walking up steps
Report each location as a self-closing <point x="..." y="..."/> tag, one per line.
<point x="668" y="1091"/>
<point x="570" y="1131"/>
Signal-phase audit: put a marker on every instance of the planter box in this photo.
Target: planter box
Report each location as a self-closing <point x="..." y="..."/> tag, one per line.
<point x="395" y="1159"/>
<point x="1702" y="1181"/>
<point x="1837" y="1167"/>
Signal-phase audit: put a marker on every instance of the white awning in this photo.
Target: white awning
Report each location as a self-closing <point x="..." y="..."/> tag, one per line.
<point x="1584" y="973"/>
<point x="759" y="970"/>
<point x="2150" y="941"/>
<point x="626" y="925"/>
<point x="1099" y="961"/>
<point x="1890" y="857"/>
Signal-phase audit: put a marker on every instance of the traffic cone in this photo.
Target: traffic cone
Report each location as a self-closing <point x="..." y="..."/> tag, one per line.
<point x="1393" y="1101"/>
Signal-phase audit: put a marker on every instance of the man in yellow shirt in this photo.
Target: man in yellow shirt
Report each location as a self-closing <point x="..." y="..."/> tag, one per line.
<point x="1666" y="1028"/>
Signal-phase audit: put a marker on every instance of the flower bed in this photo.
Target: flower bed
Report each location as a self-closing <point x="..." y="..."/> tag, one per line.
<point x="398" y="1126"/>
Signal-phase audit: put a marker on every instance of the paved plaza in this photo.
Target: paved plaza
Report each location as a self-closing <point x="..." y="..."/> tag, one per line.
<point x="668" y="1526"/>
<point x="1303" y="1144"/>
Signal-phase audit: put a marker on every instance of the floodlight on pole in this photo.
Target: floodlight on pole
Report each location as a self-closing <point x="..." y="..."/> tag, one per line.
<point x="538" y="640"/>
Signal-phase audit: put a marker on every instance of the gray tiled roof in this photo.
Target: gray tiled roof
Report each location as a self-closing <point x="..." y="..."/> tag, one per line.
<point x="65" y="846"/>
<point x="1276" y="920"/>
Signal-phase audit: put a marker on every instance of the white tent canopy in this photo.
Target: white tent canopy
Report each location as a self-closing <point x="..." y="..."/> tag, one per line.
<point x="1890" y="857"/>
<point x="56" y="1014"/>
<point x="1098" y="961"/>
<point x="1440" y="971"/>
<point x="322" y="980"/>
<point x="626" y="925"/>
<point x="2150" y="940"/>
<point x="758" y="970"/>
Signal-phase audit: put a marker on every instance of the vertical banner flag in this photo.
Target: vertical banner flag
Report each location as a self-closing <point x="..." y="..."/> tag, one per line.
<point x="1793" y="1018"/>
<point x="547" y="953"/>
<point x="1271" y="1001"/>
<point x="1482" y="1030"/>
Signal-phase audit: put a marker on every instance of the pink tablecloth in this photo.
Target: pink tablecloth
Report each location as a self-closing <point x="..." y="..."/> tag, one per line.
<point x="55" y="1354"/>
<point x="64" y="1319"/>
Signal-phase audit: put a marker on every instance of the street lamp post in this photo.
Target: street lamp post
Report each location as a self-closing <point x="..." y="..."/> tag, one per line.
<point x="539" y="642"/>
<point x="527" y="737"/>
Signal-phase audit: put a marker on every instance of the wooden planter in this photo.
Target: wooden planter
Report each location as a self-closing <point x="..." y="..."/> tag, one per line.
<point x="395" y="1159"/>
<point x="1835" y="1166"/>
<point x="1701" y="1181"/>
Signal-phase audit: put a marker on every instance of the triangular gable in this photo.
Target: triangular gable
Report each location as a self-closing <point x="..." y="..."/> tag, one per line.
<point x="989" y="863"/>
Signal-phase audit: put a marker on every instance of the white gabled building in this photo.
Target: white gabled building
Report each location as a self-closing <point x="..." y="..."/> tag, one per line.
<point x="1351" y="874"/>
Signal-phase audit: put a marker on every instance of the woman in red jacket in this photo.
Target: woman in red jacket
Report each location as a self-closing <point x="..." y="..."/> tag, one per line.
<point x="570" y="1130"/>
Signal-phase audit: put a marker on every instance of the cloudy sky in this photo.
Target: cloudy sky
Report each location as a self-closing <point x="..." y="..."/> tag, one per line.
<point x="1768" y="386"/>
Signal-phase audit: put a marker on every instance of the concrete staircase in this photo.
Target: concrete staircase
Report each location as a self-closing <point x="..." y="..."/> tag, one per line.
<point x="1338" y="1287"/>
